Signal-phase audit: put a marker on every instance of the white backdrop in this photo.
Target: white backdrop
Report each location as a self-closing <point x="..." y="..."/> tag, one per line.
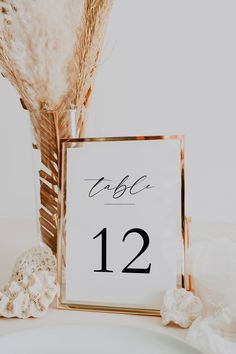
<point x="168" y="67"/>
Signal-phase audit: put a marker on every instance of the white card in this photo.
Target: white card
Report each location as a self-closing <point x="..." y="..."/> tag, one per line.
<point x="124" y="221"/>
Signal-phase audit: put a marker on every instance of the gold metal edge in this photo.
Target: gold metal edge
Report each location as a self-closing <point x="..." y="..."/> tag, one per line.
<point x="183" y="229"/>
<point x="109" y="309"/>
<point x="62" y="178"/>
<point x="188" y="221"/>
<point x="74" y="142"/>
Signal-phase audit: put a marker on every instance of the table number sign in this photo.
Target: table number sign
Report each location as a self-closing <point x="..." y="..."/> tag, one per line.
<point x="122" y="228"/>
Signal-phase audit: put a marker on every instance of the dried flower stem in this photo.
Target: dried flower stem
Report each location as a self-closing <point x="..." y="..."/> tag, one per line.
<point x="50" y="53"/>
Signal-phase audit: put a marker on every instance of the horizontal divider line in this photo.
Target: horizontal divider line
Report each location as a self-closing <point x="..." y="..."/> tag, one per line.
<point x="119" y="204"/>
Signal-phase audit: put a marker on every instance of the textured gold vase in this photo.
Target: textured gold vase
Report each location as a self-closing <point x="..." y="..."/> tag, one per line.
<point x="48" y="127"/>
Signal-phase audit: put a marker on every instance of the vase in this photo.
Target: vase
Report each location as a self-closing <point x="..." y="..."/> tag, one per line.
<point x="47" y="128"/>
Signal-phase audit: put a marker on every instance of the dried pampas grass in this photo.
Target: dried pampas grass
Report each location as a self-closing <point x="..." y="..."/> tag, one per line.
<point x="49" y="51"/>
<point x="37" y="42"/>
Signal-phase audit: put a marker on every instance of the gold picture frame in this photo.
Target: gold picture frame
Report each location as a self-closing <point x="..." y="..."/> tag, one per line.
<point x="183" y="278"/>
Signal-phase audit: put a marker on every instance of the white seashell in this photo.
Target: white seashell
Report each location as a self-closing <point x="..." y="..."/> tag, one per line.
<point x="32" y="287"/>
<point x="180" y="307"/>
<point x="34" y="260"/>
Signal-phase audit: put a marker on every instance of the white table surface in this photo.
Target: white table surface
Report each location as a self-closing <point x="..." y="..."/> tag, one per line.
<point x="18" y="235"/>
<point x="55" y="317"/>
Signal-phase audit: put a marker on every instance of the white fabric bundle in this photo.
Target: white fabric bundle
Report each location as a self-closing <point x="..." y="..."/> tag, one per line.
<point x="213" y="267"/>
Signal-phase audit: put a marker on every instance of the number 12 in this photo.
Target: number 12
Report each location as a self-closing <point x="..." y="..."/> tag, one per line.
<point x="127" y="269"/>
